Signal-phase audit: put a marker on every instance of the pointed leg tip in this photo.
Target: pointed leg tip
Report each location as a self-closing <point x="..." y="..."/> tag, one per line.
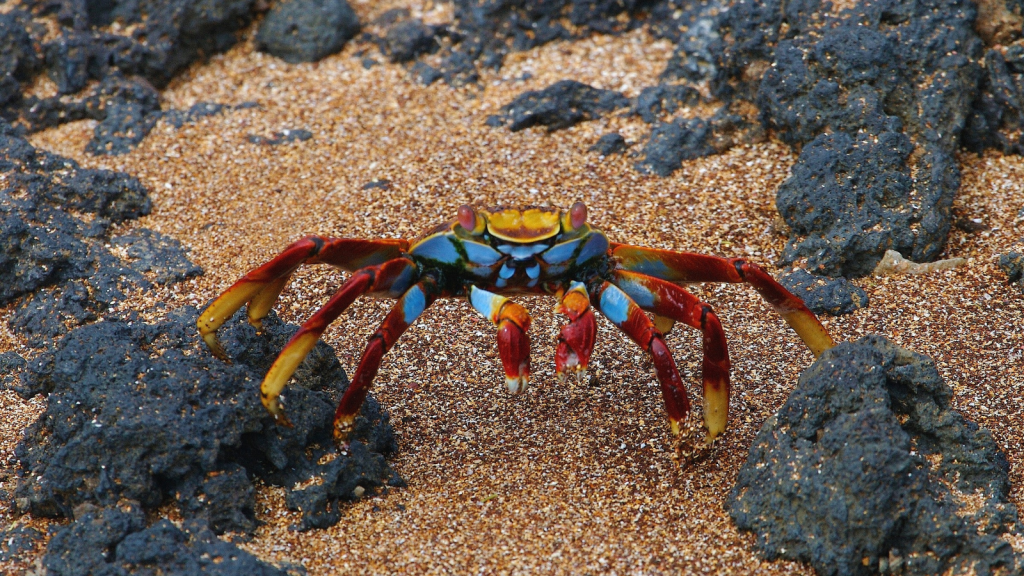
<point x="256" y="323"/>
<point x="693" y="441"/>
<point x="342" y="429"/>
<point x="215" y="347"/>
<point x="281" y="420"/>
<point x="517" y="384"/>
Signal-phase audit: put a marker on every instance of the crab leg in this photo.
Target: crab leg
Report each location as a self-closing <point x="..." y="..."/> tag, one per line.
<point x="402" y="315"/>
<point x="681" y="267"/>
<point x="261" y="287"/>
<point x="624" y="313"/>
<point x="576" y="342"/>
<point x="670" y="301"/>
<point x="390" y="276"/>
<point x="512" y="321"/>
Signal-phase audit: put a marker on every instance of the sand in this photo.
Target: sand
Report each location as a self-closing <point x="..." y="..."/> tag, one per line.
<point x="566" y="479"/>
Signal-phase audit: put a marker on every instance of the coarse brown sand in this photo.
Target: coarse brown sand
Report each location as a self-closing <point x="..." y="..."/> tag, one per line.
<point x="566" y="479"/>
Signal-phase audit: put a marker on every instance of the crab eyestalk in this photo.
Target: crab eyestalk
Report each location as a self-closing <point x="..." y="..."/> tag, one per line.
<point x="575" y="217"/>
<point x="471" y="221"/>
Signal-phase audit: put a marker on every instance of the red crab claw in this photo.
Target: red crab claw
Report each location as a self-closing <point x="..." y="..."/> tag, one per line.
<point x="514" y="349"/>
<point x="576" y="342"/>
<point x="512" y="321"/>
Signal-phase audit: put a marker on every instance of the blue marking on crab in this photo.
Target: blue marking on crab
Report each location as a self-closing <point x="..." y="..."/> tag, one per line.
<point x="561" y="253"/>
<point x="414" y="302"/>
<point x="440" y="248"/>
<point x="481" y="254"/>
<point x="615" y="304"/>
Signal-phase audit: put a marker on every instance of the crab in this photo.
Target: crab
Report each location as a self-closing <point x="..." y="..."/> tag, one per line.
<point x="487" y="254"/>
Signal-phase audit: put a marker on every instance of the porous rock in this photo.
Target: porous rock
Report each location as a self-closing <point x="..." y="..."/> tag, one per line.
<point x="1012" y="264"/>
<point x="611" y="143"/>
<point x="851" y="198"/>
<point x="865" y="468"/>
<point x="17" y="540"/>
<point x="663" y="99"/>
<point x="307" y="30"/>
<point x="42" y="244"/>
<point x="114" y="541"/>
<point x="824" y="295"/>
<point x="144" y="412"/>
<point x="19" y="59"/>
<point x="408" y="40"/>
<point x="105" y="73"/>
<point x="997" y="117"/>
<point x="150" y="251"/>
<point x="560" y="105"/>
<point x="672" y="142"/>
<point x="879" y="67"/>
<point x="693" y="28"/>
<point x="11" y="365"/>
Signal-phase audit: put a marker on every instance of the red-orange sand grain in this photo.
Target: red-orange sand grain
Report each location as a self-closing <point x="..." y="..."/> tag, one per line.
<point x="566" y="479"/>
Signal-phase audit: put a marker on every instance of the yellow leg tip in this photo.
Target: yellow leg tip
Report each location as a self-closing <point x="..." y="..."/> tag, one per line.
<point x="343" y="426"/>
<point x="214" y="345"/>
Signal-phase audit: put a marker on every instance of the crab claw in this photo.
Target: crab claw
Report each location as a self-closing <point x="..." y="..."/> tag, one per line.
<point x="575" y="345"/>
<point x="576" y="342"/>
<point x="514" y="349"/>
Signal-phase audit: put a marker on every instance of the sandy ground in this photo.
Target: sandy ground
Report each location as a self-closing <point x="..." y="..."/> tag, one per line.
<point x="567" y="479"/>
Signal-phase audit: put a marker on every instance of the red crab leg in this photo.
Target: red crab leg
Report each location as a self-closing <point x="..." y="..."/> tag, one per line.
<point x="576" y="342"/>
<point x="402" y="315"/>
<point x="389" y="276"/>
<point x="670" y="301"/>
<point x="686" y="267"/>
<point x="624" y="313"/>
<point x="261" y="287"/>
<point x="512" y="321"/>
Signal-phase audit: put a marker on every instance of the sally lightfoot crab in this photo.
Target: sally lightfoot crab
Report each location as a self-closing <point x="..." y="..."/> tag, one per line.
<point x="486" y="254"/>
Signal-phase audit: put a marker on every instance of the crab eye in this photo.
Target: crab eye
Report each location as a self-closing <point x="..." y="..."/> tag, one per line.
<point x="578" y="215"/>
<point x="467" y="218"/>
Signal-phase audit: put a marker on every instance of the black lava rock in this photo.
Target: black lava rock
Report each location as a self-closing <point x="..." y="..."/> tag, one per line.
<point x="612" y="143"/>
<point x="115" y="542"/>
<point x="1012" y="263"/>
<point x="167" y="36"/>
<point x="877" y="69"/>
<point x="487" y="31"/>
<point x="663" y="99"/>
<point x="693" y="28"/>
<point x="126" y="118"/>
<point x="18" y="540"/>
<point x="563" y="104"/>
<point x="864" y="469"/>
<point x="50" y="312"/>
<point x="41" y="243"/>
<point x="408" y="40"/>
<point x="307" y="30"/>
<point x="425" y="73"/>
<point x="997" y="117"/>
<point x="19" y="59"/>
<point x="223" y="498"/>
<point x="11" y="365"/>
<point x="852" y="198"/>
<point x="151" y="251"/>
<point x="86" y="57"/>
<point x="673" y="142"/>
<point x="143" y="412"/>
<point x="179" y="118"/>
<point x="823" y="295"/>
